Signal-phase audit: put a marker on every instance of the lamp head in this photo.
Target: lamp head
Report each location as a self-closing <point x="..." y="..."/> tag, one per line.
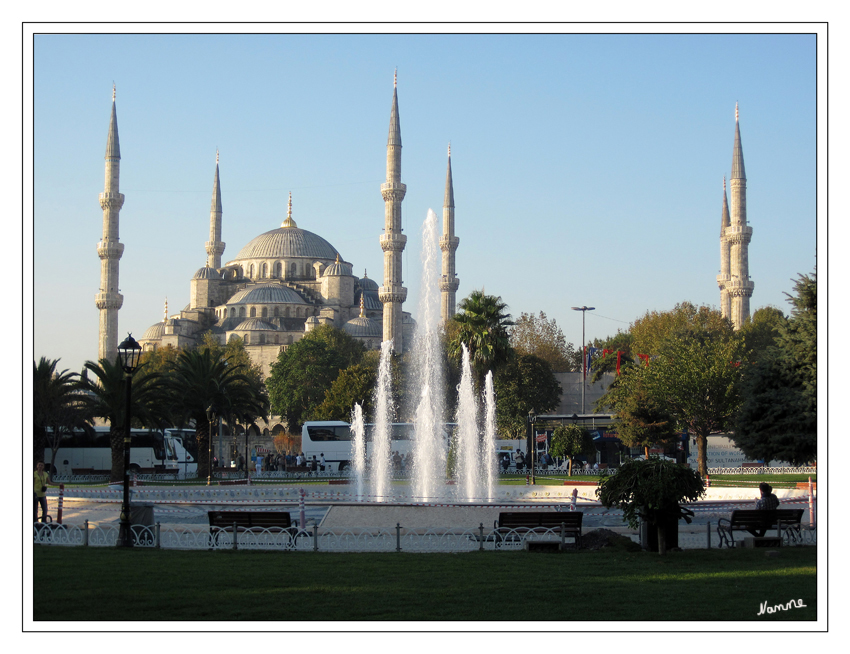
<point x="129" y="353"/>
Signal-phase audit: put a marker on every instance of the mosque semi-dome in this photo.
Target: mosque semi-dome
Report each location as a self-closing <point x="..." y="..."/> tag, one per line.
<point x="266" y="294"/>
<point x="254" y="325"/>
<point x="287" y="242"/>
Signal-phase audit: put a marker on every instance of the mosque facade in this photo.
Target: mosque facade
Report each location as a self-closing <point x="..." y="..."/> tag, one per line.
<point x="287" y="281"/>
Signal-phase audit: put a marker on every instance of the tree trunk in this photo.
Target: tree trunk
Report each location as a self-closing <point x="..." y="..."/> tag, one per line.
<point x="702" y="455"/>
<point x="570" y="468"/>
<point x="662" y="538"/>
<point x="202" y="438"/>
<point x="116" y="444"/>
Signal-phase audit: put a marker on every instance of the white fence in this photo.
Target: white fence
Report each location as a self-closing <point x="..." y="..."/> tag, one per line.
<point x="313" y="538"/>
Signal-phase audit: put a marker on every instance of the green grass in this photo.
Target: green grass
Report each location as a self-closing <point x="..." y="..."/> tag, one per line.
<point x="112" y="584"/>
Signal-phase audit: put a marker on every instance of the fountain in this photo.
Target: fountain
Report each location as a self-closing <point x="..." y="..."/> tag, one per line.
<point x="488" y="454"/>
<point x="359" y="450"/>
<point x="468" y="450"/>
<point x="381" y="435"/>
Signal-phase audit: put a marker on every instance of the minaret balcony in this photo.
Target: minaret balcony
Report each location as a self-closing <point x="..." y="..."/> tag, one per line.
<point x="110" y="249"/>
<point x="394" y="191"/>
<point x="389" y="294"/>
<point x="393" y="242"/>
<point x="449" y="243"/>
<point x="111" y="201"/>
<point x="108" y="300"/>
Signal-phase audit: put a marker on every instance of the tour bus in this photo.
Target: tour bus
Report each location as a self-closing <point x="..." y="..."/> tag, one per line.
<point x="186" y="451"/>
<point x="90" y="450"/>
<point x="334" y="439"/>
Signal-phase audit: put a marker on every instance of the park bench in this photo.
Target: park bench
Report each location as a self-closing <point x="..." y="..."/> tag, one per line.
<point x="752" y="465"/>
<point x="256" y="521"/>
<point x="758" y="522"/>
<point x="516" y="525"/>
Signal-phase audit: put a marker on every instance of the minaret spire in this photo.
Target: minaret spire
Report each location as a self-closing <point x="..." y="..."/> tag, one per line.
<point x="392" y="294"/>
<point x="738" y="234"/>
<point x="215" y="246"/>
<point x="448" y="245"/>
<point x="109" y="249"/>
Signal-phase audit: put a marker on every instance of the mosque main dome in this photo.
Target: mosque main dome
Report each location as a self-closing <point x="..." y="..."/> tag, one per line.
<point x="288" y="242"/>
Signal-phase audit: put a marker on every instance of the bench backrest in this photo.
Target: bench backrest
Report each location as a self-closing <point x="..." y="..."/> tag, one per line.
<point x="764" y="519"/>
<point x="545" y="519"/>
<point x="249" y="519"/>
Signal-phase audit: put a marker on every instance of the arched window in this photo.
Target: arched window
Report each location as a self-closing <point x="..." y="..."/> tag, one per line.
<point x="277" y="269"/>
<point x="253" y="312"/>
<point x="246" y="339"/>
<point x="265" y="312"/>
<point x="287" y="312"/>
<point x="251" y="271"/>
<point x="241" y="312"/>
<point x="265" y="271"/>
<point x="276" y="312"/>
<point x="262" y="338"/>
<point x="293" y="270"/>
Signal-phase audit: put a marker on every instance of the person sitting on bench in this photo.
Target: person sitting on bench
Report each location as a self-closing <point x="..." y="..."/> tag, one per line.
<point x="767" y="502"/>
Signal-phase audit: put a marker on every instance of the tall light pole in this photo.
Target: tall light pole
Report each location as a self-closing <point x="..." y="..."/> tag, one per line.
<point x="129" y="353"/>
<point x="583" y="355"/>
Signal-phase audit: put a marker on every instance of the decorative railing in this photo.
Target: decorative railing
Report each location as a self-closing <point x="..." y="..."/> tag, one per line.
<point x="800" y="470"/>
<point x="365" y="539"/>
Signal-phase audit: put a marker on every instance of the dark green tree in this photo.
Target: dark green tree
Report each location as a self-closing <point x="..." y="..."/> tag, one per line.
<point x="761" y="331"/>
<point x="651" y="490"/>
<point x="642" y="420"/>
<point x="353" y="385"/>
<point x="304" y="372"/>
<point x="570" y="441"/>
<point x="482" y="325"/>
<point x="778" y="416"/>
<point x="57" y="407"/>
<point x="525" y="382"/>
<point x="203" y="386"/>
<point x="107" y="400"/>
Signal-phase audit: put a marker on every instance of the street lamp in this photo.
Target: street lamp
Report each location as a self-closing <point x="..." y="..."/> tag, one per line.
<point x="583" y="355"/>
<point x="210" y="414"/>
<point x="129" y="353"/>
<point x="532" y="444"/>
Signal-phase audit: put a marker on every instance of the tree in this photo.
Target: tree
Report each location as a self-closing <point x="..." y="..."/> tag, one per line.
<point x="614" y="355"/>
<point x="107" y="400"/>
<point x="525" y="382"/>
<point x="56" y="406"/>
<point x="482" y="325"/>
<point x="353" y="385"/>
<point x="649" y="332"/>
<point x="541" y="337"/>
<point x="761" y="331"/>
<point x="697" y="377"/>
<point x="304" y="372"/>
<point x="642" y="420"/>
<point x="203" y="386"/>
<point x="651" y="490"/>
<point x="778" y="416"/>
<point x="570" y="441"/>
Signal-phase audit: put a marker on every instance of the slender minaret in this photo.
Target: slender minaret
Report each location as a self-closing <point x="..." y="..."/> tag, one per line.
<point x="215" y="246"/>
<point x="109" y="249"/>
<point x="448" y="244"/>
<point x="392" y="294"/>
<point x="738" y="235"/>
<point x="724" y="277"/>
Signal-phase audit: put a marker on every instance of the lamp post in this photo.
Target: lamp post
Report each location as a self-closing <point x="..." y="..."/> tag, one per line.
<point x="583" y="356"/>
<point x="210" y="414"/>
<point x="129" y="353"/>
<point x="532" y="444"/>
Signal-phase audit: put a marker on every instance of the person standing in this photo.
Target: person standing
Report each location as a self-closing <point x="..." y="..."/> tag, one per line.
<point x="41" y="480"/>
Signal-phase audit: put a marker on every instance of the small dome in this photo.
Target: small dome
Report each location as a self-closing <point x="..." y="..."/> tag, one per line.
<point x="254" y="325"/>
<point x="338" y="269"/>
<point x="207" y="273"/>
<point x="266" y="294"/>
<point x="364" y="328"/>
<point x="368" y="284"/>
<point x="154" y="332"/>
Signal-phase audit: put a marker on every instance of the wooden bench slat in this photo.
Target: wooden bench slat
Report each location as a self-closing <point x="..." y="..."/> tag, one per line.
<point x="757" y="520"/>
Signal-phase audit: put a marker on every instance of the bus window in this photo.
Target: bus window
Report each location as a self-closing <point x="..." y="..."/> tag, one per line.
<point x="325" y="434"/>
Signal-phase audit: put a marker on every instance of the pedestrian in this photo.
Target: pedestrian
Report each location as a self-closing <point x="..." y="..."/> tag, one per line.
<point x="322" y="462"/>
<point x="41" y="480"/>
<point x="240" y="463"/>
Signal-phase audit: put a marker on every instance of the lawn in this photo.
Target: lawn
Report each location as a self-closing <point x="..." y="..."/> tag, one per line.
<point x="110" y="584"/>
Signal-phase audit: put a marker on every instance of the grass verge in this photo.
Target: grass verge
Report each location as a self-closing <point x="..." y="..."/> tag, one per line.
<point x="112" y="584"/>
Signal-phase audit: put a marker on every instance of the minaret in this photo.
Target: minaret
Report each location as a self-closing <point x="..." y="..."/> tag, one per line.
<point x="448" y="244"/>
<point x="738" y="235"/>
<point x="109" y="249"/>
<point x="392" y="294"/>
<point x="723" y="278"/>
<point x="214" y="246"/>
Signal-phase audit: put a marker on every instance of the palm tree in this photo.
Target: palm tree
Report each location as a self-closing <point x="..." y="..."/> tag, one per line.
<point x="56" y="405"/>
<point x="107" y="400"/>
<point x="203" y="385"/>
<point x="482" y="325"/>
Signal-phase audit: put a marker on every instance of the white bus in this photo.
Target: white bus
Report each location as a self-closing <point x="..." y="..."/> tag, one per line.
<point x="186" y="451"/>
<point x="90" y="450"/>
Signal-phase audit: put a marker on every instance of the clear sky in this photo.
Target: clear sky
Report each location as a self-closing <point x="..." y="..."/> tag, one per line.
<point x="587" y="169"/>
